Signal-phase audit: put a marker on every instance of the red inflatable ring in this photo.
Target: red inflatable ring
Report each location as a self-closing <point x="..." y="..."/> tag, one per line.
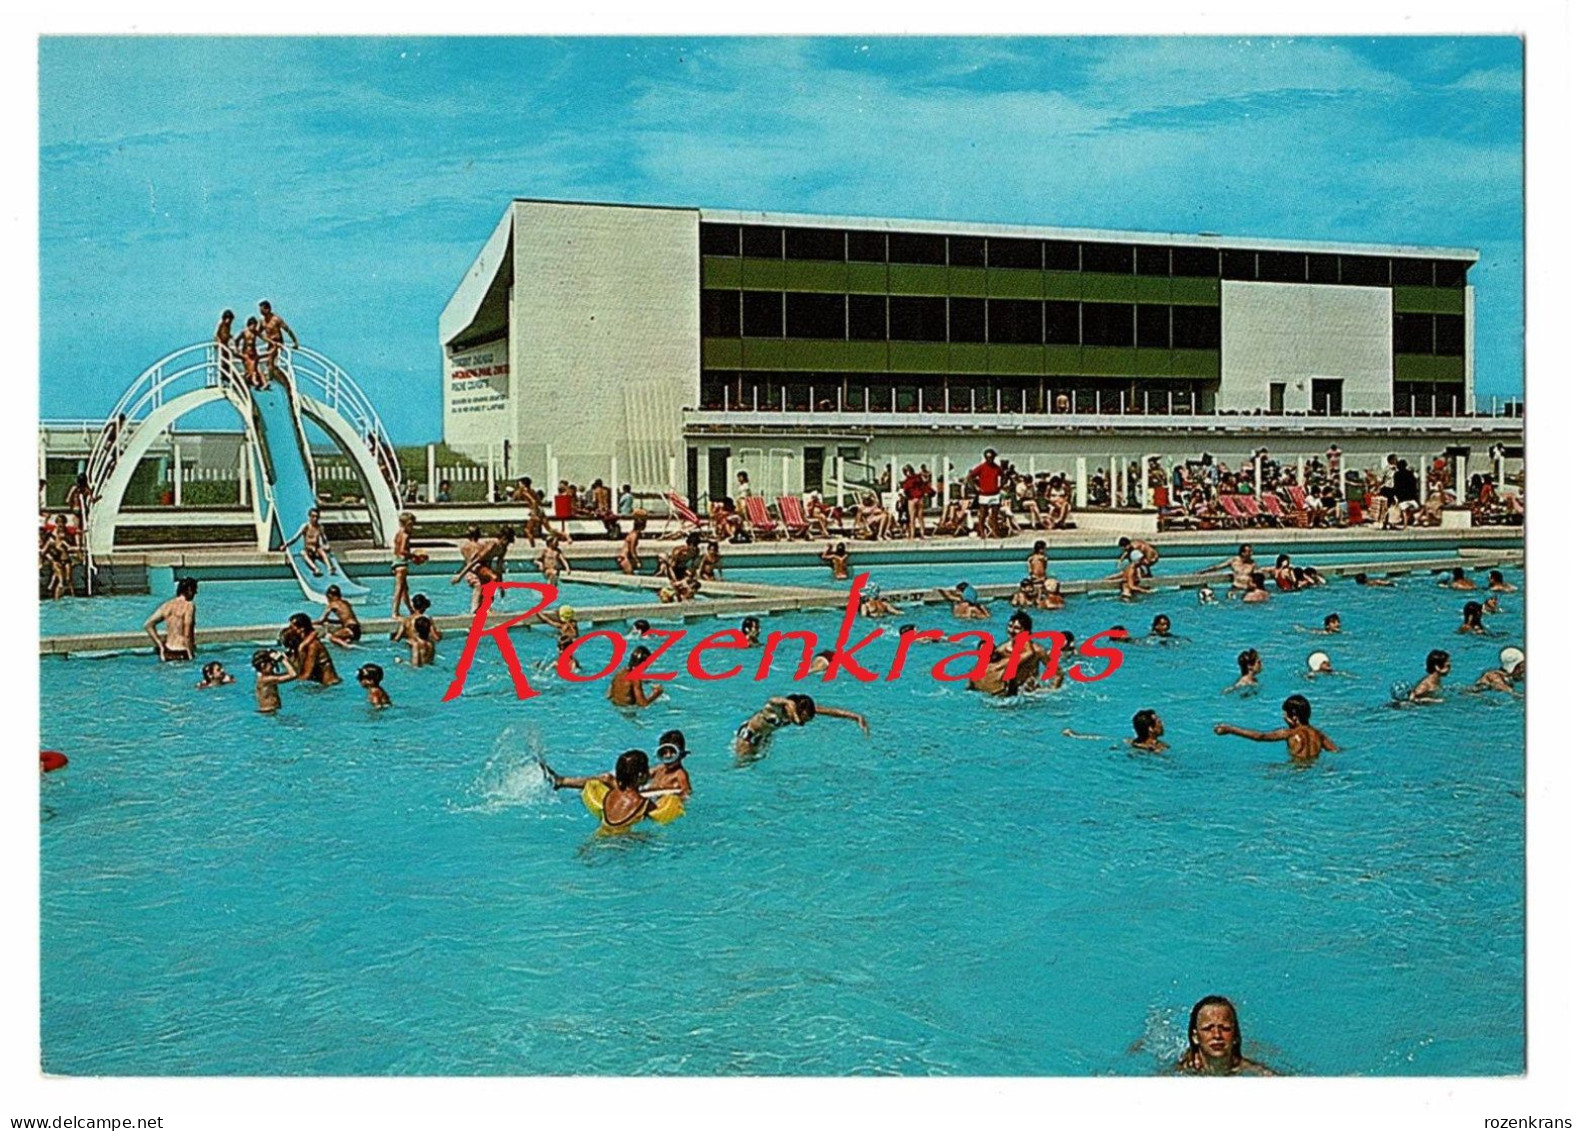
<point x="51" y="760"/>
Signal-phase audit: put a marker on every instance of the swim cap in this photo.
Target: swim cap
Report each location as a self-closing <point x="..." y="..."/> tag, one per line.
<point x="1135" y="555"/>
<point x="1510" y="657"/>
<point x="1316" y="662"/>
<point x="1205" y="595"/>
<point x="969" y="595"/>
<point x="1401" y="691"/>
<point x="870" y="591"/>
<point x="567" y="613"/>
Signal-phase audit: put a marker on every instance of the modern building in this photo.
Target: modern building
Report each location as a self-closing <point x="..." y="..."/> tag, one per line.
<point x="676" y="346"/>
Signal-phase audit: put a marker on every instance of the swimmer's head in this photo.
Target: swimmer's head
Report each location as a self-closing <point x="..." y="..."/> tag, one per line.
<point x="1362" y="579"/>
<point x="639" y="654"/>
<point x="1051" y="585"/>
<point x="1511" y="658"/>
<point x="906" y="628"/>
<point x="672" y="747"/>
<point x="1205" y="596"/>
<point x="1213" y="1030"/>
<point x="1437" y="661"/>
<point x="1297" y="710"/>
<point x="1040" y="546"/>
<point x="264" y="660"/>
<point x="423" y="628"/>
<point x="1319" y="662"/>
<point x="804" y="707"/>
<point x="333" y="592"/>
<point x="567" y="614"/>
<point x="187" y="587"/>
<point x="1148" y="724"/>
<point x="370" y="675"/>
<point x="1496" y="577"/>
<point x="1332" y="621"/>
<point x="1020" y="622"/>
<point x="1244" y="550"/>
<point x="1458" y="574"/>
<point x="290" y="637"/>
<point x="1068" y="641"/>
<point x="1249" y="661"/>
<point x="1472" y="613"/>
<point x="420" y="602"/>
<point x="641" y="626"/>
<point x="302" y="623"/>
<point x="212" y="671"/>
<point x="1162" y="625"/>
<point x="631" y="769"/>
<point x="1282" y="561"/>
<point x="1257" y="579"/>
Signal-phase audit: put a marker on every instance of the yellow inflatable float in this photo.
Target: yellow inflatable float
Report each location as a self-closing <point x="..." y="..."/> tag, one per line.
<point x="666" y="807"/>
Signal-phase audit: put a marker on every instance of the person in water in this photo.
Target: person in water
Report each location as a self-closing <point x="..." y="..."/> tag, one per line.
<point x="1240" y="566"/>
<point x="624" y="805"/>
<point x="1437" y="666"/>
<point x="313" y="658"/>
<point x="1257" y="588"/>
<point x="215" y="675"/>
<point x="1304" y="740"/>
<point x="1472" y="619"/>
<point x="752" y="737"/>
<point x="670" y="774"/>
<point x="1458" y="579"/>
<point x="422" y="641"/>
<point x="180" y="618"/>
<point x="964" y="602"/>
<point x="838" y="560"/>
<point x="751" y="628"/>
<point x="370" y="677"/>
<point x="1512" y="670"/>
<point x="1250" y="664"/>
<point x="874" y="604"/>
<point x="1160" y="629"/>
<point x="1214" y="1042"/>
<point x="1498" y="583"/>
<point x="420" y="608"/>
<point x="273" y="668"/>
<point x="1149" y="733"/>
<point x="1375" y="582"/>
<point x="1331" y="626"/>
<point x="340" y="619"/>
<point x="626" y="690"/>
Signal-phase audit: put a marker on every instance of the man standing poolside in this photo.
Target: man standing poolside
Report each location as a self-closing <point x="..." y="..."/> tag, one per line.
<point x="180" y="617"/>
<point x="985" y="479"/>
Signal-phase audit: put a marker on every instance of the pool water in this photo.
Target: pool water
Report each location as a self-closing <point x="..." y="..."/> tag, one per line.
<point x="966" y="891"/>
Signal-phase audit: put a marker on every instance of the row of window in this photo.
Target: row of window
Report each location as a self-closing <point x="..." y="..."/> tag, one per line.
<point x="1442" y="334"/>
<point x="723" y="391"/>
<point x="833" y="244"/>
<point x="878" y="318"/>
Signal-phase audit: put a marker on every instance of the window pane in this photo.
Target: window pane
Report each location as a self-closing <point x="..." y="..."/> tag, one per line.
<point x="1107" y="258"/>
<point x="1016" y="253"/>
<point x="917" y="319"/>
<point x="1237" y="264"/>
<point x="815" y="316"/>
<point x="1412" y="272"/>
<point x="1107" y="323"/>
<point x="966" y="251"/>
<point x="720" y="239"/>
<point x="722" y="316"/>
<point x="1063" y="323"/>
<point x="1282" y="266"/>
<point x="1449" y="273"/>
<point x="1153" y="261"/>
<point x="1450" y="335"/>
<point x="1153" y="326"/>
<point x="1062" y="255"/>
<point x="761" y="314"/>
<point x="1194" y="262"/>
<point x="866" y="315"/>
<point x="1364" y="271"/>
<point x="1414" y="333"/>
<point x="865" y="247"/>
<point x="762" y="243"/>
<point x="966" y="320"/>
<point x="908" y="247"/>
<point x="1323" y="268"/>
<point x="1016" y="321"/>
<point x="1194" y="327"/>
<point x="815" y="243"/>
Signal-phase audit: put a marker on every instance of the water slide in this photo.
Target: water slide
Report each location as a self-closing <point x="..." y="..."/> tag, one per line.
<point x="287" y="472"/>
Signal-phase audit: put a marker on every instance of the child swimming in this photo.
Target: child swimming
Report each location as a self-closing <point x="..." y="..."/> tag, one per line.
<point x="1437" y="665"/>
<point x="626" y="690"/>
<point x="370" y="677"/>
<point x="422" y="642"/>
<point x="964" y="602"/>
<point x="670" y="774"/>
<point x="1472" y="619"/>
<point x="752" y="737"/>
<point x="268" y="664"/>
<point x="215" y="675"/>
<point x="1250" y="664"/>
<point x="1304" y="741"/>
<point x="838" y="560"/>
<point x="751" y="628"/>
<point x="624" y="805"/>
<point x="341" y="620"/>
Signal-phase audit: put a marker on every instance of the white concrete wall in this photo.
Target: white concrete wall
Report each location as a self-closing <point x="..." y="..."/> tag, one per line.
<point x="605" y="346"/>
<point x="1293" y="332"/>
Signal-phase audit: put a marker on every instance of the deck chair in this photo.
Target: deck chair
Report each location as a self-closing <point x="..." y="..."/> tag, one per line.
<point x="757" y="513"/>
<point x="1300" y="515"/>
<point x="682" y="516"/>
<point x="792" y="516"/>
<point x="1272" y="507"/>
<point x="1231" y="504"/>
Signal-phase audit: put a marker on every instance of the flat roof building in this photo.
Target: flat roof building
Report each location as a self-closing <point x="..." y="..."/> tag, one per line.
<point x="671" y="346"/>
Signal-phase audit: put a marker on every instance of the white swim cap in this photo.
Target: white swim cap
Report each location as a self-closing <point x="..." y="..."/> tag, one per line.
<point x="1316" y="662"/>
<point x="1510" y="657"/>
<point x="1205" y="595"/>
<point x="1136" y="555"/>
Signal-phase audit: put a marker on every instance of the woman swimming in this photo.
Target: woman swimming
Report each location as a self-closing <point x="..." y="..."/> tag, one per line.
<point x="752" y="736"/>
<point x="1214" y="1042"/>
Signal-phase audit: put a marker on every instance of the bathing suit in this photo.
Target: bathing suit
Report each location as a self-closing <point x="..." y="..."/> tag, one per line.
<point x="756" y="738"/>
<point x="173" y="653"/>
<point x="356" y="630"/>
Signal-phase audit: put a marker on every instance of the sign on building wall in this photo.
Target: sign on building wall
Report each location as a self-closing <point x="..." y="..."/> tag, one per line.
<point x="478" y="394"/>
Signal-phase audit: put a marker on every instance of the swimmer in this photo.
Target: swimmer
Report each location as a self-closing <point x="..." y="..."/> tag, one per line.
<point x="1160" y="629"/>
<point x="683" y="589"/>
<point x="315" y="544"/>
<point x="1136" y="546"/>
<point x="180" y="618"/>
<point x="639" y="628"/>
<point x="215" y="675"/>
<point x="1250" y="664"/>
<point x="313" y="658"/>
<point x="1308" y="577"/>
<point x="624" y="805"/>
<point x="1205" y="596"/>
<point x="422" y="642"/>
<point x="1512" y="670"/>
<point x="405" y="557"/>
<point x="1038" y="562"/>
<point x="711" y="565"/>
<point x="552" y="560"/>
<point x="1498" y="583"/>
<point x="564" y="623"/>
<point x="371" y="677"/>
<point x="1001" y="682"/>
<point x="751" y="628"/>
<point x="1318" y="664"/>
<point x="1331" y="626"/>
<point x="1026" y="595"/>
<point x="1119" y="635"/>
<point x="1437" y="665"/>
<point x="1051" y="599"/>
<point x="1304" y="741"/>
<point x="1214" y="1042"/>
<point x="629" y="560"/>
<point x="1375" y="582"/>
<point x="964" y="602"/>
<point x="838" y="560"/>
<point x="1150" y="729"/>
<point x="874" y="604"/>
<point x="1240" y="566"/>
<point x="420" y="605"/>
<point x="1132" y="575"/>
<point x="821" y="661"/>
<point x="628" y="691"/>
<point x="1491" y="606"/>
<point x="752" y="737"/>
<point x="344" y="627"/>
<point x="670" y="774"/>
<point x="1458" y="579"/>
<point x="1285" y="574"/>
<point x="1256" y="588"/>
<point x="269" y="664"/>
<point x="1472" y="619"/>
<point x="678" y="563"/>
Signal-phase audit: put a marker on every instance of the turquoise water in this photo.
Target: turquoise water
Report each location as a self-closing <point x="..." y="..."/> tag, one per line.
<point x="339" y="891"/>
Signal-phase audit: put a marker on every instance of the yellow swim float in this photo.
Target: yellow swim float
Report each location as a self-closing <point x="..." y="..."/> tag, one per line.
<point x="664" y="810"/>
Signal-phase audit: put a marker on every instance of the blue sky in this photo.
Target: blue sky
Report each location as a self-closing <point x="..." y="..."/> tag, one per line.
<point x="353" y="180"/>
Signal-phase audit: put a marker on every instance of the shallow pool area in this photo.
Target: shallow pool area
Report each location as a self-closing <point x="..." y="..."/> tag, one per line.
<point x="341" y="891"/>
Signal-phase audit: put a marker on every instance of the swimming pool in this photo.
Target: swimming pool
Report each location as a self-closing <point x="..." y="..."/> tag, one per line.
<point x="338" y="891"/>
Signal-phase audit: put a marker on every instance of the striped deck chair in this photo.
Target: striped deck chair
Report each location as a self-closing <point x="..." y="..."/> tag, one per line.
<point x="1272" y="507"/>
<point x="682" y="515"/>
<point x="791" y="515"/>
<point x="758" y="515"/>
<point x="1300" y="515"/>
<point x="1230" y="503"/>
